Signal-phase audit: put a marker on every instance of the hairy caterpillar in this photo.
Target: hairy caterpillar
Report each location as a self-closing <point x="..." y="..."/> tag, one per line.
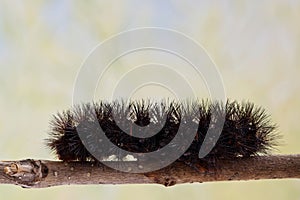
<point x="247" y="129"/>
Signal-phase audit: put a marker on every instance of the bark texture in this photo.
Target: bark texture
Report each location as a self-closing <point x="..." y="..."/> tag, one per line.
<point x="45" y="173"/>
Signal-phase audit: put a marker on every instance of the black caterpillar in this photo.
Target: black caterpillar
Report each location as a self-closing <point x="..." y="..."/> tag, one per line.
<point x="247" y="129"/>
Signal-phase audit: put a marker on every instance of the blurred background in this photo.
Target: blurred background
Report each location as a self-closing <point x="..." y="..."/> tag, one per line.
<point x="256" y="47"/>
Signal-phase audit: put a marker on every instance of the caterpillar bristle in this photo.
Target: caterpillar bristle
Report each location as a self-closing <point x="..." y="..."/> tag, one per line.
<point x="247" y="129"/>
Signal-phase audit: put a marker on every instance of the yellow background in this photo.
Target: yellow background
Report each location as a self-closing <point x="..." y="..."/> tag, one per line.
<point x="255" y="44"/>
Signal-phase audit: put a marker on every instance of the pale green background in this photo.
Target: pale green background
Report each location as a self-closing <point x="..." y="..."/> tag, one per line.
<point x="256" y="46"/>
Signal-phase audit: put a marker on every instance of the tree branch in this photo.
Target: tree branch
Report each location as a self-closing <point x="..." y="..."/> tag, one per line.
<point x="45" y="173"/>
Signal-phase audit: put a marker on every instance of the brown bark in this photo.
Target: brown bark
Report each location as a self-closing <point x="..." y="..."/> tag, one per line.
<point x="45" y="173"/>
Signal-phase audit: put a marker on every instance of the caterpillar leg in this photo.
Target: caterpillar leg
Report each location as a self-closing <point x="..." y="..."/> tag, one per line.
<point x="200" y="165"/>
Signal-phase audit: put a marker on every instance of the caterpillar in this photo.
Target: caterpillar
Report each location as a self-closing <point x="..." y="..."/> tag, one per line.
<point x="247" y="129"/>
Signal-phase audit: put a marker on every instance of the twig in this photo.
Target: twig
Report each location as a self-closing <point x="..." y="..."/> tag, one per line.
<point x="45" y="173"/>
